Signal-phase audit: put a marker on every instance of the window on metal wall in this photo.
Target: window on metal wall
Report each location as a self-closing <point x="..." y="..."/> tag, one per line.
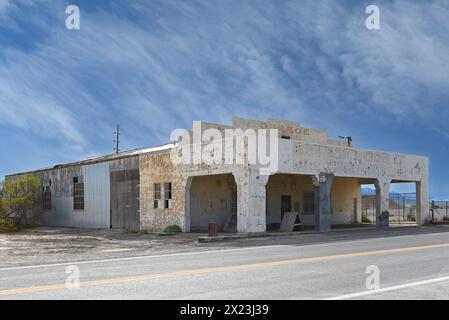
<point x="46" y="198"/>
<point x="309" y="202"/>
<point x="78" y="193"/>
<point x="167" y="195"/>
<point x="157" y="195"/>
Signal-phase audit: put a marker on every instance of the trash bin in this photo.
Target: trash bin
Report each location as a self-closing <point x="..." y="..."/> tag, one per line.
<point x="384" y="220"/>
<point x="213" y="229"/>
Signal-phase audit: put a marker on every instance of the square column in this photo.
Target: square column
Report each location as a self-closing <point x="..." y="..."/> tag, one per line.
<point x="186" y="184"/>
<point x="382" y="202"/>
<point x="422" y="202"/>
<point x="251" y="199"/>
<point x="323" y="201"/>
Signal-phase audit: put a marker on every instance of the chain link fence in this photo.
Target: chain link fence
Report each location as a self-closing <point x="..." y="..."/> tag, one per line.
<point x="439" y="210"/>
<point x="402" y="208"/>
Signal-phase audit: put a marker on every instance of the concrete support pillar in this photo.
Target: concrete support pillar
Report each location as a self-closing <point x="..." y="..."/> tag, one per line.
<point x="251" y="199"/>
<point x="323" y="201"/>
<point x="382" y="201"/>
<point x="186" y="184"/>
<point x="422" y="202"/>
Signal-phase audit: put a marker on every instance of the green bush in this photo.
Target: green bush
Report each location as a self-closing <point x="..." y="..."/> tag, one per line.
<point x="18" y="199"/>
<point x="411" y="218"/>
<point x="365" y="219"/>
<point x="173" y="229"/>
<point x="6" y="226"/>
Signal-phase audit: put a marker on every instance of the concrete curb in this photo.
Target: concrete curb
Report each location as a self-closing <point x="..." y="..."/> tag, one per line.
<point x="207" y="239"/>
<point x="219" y="238"/>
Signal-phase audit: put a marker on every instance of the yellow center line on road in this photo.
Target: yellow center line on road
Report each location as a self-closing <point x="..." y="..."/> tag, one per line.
<point x="221" y="269"/>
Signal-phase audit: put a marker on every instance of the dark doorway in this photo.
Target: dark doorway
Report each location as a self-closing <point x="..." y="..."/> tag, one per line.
<point x="125" y="199"/>
<point x="286" y="205"/>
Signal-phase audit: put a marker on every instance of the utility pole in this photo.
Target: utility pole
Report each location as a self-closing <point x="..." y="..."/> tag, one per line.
<point x="117" y="139"/>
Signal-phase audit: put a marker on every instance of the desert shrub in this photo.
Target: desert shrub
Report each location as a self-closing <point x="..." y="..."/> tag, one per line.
<point x="18" y="199"/>
<point x="6" y="226"/>
<point x="365" y="219"/>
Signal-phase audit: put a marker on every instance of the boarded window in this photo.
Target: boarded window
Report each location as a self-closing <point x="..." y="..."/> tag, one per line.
<point x="309" y="202"/>
<point x="157" y="194"/>
<point x="46" y="198"/>
<point x="167" y="195"/>
<point x="78" y="193"/>
<point x="167" y="191"/>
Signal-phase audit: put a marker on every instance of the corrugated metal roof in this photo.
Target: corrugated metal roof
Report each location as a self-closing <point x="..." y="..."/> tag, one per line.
<point x="104" y="158"/>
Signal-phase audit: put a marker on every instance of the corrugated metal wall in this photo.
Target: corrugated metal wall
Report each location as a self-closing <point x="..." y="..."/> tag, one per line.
<point x="61" y="214"/>
<point x="96" y="196"/>
<point x="96" y="213"/>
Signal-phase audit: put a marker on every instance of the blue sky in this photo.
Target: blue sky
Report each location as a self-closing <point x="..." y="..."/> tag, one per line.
<point x="153" y="66"/>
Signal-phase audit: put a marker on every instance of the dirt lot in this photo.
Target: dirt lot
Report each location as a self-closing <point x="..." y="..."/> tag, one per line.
<point x="52" y="245"/>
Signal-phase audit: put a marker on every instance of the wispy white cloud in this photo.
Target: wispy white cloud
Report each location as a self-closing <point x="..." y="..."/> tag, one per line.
<point x="5" y="5"/>
<point x="29" y="101"/>
<point x="184" y="68"/>
<point x="200" y="60"/>
<point x="401" y="62"/>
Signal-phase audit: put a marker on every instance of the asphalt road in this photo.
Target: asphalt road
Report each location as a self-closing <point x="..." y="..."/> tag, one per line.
<point x="411" y="266"/>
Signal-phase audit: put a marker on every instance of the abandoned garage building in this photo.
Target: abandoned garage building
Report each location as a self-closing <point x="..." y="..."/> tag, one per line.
<point x="316" y="179"/>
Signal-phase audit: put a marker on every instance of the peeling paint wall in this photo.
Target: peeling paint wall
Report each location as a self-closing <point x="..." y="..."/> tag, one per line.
<point x="62" y="213"/>
<point x="290" y="129"/>
<point x="96" y="197"/>
<point x="306" y="158"/>
<point x="130" y="163"/>
<point x="158" y="168"/>
<point x="96" y="177"/>
<point x="310" y="152"/>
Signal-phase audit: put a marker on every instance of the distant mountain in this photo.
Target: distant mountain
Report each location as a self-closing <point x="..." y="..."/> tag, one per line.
<point x="368" y="191"/>
<point x="397" y="200"/>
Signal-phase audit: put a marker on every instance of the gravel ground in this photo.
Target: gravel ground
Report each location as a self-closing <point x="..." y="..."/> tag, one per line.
<point x="52" y="245"/>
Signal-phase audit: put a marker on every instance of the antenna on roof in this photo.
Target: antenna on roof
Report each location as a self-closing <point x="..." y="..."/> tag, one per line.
<point x="349" y="139"/>
<point x="117" y="139"/>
